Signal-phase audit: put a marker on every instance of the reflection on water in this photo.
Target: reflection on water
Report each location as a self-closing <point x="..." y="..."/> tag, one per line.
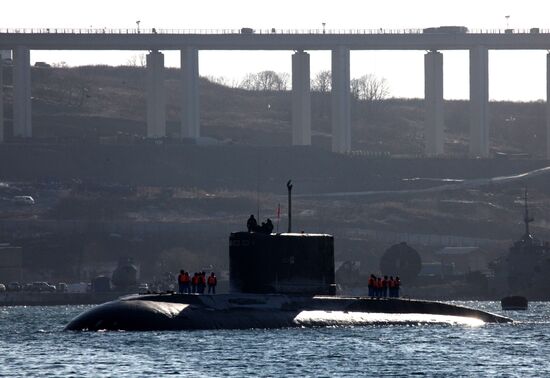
<point x="341" y="318"/>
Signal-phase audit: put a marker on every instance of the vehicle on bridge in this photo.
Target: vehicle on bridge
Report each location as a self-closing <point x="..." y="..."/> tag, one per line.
<point x="247" y="31"/>
<point x="446" y="30"/>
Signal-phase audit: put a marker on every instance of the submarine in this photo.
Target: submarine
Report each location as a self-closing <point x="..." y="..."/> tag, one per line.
<point x="277" y="280"/>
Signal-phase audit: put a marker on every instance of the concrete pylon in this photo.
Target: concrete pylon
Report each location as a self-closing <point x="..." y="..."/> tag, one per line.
<point x="340" y="97"/>
<point x="22" y="126"/>
<point x="301" y="99"/>
<point x="190" y="115"/>
<point x="479" y="102"/>
<point x="1" y="100"/>
<point x="156" y="98"/>
<point x="433" y="103"/>
<point x="548" y="106"/>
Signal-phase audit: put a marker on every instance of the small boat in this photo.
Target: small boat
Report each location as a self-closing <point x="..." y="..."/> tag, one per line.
<point x="514" y="303"/>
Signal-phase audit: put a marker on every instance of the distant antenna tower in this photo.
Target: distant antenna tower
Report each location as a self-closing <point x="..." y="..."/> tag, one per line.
<point x="526" y="218"/>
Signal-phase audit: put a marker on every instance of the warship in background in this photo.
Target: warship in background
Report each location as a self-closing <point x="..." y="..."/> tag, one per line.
<point x="523" y="272"/>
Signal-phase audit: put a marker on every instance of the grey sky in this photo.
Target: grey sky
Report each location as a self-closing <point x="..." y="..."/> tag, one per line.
<point x="514" y="75"/>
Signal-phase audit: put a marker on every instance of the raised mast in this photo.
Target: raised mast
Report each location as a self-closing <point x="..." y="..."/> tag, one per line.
<point x="526" y="218"/>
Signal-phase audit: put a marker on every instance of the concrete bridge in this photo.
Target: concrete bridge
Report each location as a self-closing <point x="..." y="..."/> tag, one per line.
<point x="339" y="42"/>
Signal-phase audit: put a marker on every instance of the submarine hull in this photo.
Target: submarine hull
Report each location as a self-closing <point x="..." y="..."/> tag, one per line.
<point x="230" y="311"/>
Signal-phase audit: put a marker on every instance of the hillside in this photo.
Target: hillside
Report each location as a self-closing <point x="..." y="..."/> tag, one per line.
<point x="93" y="101"/>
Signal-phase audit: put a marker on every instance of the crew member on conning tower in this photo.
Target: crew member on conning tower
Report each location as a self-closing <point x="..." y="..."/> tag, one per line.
<point x="251" y="224"/>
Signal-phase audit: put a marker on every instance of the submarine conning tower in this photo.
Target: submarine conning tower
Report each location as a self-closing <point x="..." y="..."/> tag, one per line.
<point x="286" y="263"/>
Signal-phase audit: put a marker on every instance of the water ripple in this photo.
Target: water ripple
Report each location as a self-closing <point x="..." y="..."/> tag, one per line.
<point x="32" y="343"/>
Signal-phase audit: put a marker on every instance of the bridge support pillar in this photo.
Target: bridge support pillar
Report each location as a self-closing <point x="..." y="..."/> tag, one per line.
<point x="301" y="99"/>
<point x="156" y="99"/>
<point x="1" y="100"/>
<point x="22" y="126"/>
<point x="340" y="97"/>
<point x="190" y="115"/>
<point x="479" y="102"/>
<point x="548" y="106"/>
<point x="433" y="102"/>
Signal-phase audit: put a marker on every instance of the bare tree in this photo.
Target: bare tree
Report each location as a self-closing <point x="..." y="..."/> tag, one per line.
<point x="137" y="60"/>
<point x="285" y="80"/>
<point x="265" y="81"/>
<point x="248" y="82"/>
<point x="142" y="60"/>
<point x="270" y="81"/>
<point x="61" y="64"/>
<point x="322" y="82"/>
<point x="369" y="88"/>
<point x="222" y="80"/>
<point x="132" y="61"/>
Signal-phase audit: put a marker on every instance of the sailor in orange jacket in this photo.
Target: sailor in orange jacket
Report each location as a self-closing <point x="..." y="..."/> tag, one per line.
<point x="378" y="287"/>
<point x="194" y="282"/>
<point x="186" y="280"/>
<point x="212" y="282"/>
<point x="371" y="285"/>
<point x="180" y="282"/>
<point x="201" y="285"/>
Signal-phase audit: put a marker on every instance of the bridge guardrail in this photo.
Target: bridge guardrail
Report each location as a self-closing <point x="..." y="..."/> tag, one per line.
<point x="153" y="31"/>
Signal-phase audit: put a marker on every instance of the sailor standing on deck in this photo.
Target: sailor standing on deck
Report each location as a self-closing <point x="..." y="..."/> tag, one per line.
<point x="201" y="285"/>
<point x="391" y="284"/>
<point x="180" y="282"/>
<point x="371" y="285"/>
<point x="186" y="283"/>
<point x="194" y="282"/>
<point x="212" y="282"/>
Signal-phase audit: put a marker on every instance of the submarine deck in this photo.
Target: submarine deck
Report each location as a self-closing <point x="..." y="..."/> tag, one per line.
<point x="242" y="311"/>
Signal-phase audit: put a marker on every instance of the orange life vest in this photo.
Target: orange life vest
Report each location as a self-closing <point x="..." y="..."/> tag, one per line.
<point x="195" y="280"/>
<point x="185" y="278"/>
<point x="212" y="280"/>
<point x="371" y="282"/>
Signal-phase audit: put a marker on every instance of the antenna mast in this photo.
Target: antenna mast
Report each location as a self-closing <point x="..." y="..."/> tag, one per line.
<point x="289" y="187"/>
<point x="526" y="218"/>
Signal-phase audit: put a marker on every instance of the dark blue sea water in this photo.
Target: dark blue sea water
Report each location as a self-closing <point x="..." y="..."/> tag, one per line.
<point x="33" y="343"/>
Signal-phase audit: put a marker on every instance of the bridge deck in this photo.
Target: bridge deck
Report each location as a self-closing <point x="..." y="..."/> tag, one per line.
<point x="129" y="39"/>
